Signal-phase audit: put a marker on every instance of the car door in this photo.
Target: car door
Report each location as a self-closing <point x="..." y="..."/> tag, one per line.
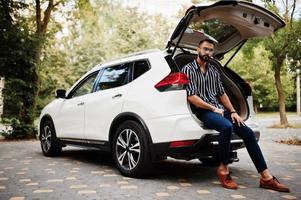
<point x="106" y="102"/>
<point x="71" y="118"/>
<point x="241" y="20"/>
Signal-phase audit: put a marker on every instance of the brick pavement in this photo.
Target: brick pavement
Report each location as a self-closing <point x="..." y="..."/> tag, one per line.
<point x="87" y="174"/>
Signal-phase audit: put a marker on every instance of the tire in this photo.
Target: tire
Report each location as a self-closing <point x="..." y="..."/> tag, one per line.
<point x="50" y="144"/>
<point x="131" y="150"/>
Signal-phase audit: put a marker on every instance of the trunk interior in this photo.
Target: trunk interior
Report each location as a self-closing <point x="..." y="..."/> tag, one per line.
<point x="236" y="88"/>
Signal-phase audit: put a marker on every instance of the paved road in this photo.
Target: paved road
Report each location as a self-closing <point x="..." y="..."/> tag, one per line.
<point x="274" y="134"/>
<point x="85" y="174"/>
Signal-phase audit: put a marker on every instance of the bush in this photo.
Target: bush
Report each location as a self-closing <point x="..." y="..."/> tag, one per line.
<point x="18" y="130"/>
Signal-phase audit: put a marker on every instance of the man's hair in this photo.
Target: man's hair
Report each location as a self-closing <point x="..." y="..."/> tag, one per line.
<point x="207" y="40"/>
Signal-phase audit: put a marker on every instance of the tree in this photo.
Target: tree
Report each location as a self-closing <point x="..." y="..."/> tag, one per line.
<point x="97" y="32"/>
<point x="20" y="54"/>
<point x="294" y="53"/>
<point x="252" y="63"/>
<point x="42" y="20"/>
<point x="279" y="45"/>
<point x="16" y="67"/>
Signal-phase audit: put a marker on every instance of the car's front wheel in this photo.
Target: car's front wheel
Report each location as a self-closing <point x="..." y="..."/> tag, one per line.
<point x="131" y="151"/>
<point x="50" y="144"/>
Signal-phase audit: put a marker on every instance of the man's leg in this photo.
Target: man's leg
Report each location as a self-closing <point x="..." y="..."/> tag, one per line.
<point x="224" y="127"/>
<point x="252" y="146"/>
<point x="267" y="180"/>
<point x="217" y="122"/>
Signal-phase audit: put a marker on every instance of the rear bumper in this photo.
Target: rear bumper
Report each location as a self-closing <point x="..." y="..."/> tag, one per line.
<point x="206" y="146"/>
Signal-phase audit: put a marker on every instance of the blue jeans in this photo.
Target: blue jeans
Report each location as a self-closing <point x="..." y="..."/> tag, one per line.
<point x="224" y="125"/>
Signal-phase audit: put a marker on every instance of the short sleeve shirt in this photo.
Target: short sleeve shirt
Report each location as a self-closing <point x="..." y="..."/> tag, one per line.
<point x="208" y="86"/>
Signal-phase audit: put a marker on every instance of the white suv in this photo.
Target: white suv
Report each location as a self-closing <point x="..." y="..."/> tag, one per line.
<point x="136" y="107"/>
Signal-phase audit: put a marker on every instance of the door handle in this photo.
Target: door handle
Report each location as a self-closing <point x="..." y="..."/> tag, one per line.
<point x="117" y="96"/>
<point x="81" y="104"/>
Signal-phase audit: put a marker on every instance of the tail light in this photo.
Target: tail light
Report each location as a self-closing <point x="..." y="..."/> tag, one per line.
<point x="174" y="81"/>
<point x="181" y="143"/>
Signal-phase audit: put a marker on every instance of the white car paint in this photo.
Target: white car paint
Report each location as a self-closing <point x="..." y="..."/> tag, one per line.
<point x="166" y="114"/>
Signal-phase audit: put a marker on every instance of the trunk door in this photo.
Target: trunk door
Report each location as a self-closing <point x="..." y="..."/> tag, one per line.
<point x="226" y="22"/>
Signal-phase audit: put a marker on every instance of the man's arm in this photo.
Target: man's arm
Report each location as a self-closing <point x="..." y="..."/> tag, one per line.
<point x="192" y="91"/>
<point x="224" y="99"/>
<point x="198" y="102"/>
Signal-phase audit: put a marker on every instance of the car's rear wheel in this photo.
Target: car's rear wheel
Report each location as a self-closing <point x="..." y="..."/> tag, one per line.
<point x="50" y="144"/>
<point x="131" y="150"/>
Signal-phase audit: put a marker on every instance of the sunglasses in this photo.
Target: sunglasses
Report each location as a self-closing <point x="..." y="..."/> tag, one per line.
<point x="210" y="50"/>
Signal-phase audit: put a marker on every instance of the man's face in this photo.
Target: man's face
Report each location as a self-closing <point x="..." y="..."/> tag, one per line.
<point x="205" y="50"/>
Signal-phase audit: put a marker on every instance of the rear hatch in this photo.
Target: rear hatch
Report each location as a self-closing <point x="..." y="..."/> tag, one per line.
<point x="227" y="22"/>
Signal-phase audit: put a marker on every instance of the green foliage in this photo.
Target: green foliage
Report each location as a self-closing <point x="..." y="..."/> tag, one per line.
<point x="215" y="28"/>
<point x="18" y="67"/>
<point x="254" y="65"/>
<point x="18" y="130"/>
<point x="96" y="32"/>
<point x="294" y="50"/>
<point x="279" y="45"/>
<point x="91" y="32"/>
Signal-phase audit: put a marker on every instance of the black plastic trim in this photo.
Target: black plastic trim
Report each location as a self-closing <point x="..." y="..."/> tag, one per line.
<point x="129" y="116"/>
<point x="99" y="144"/>
<point x="172" y="64"/>
<point x="46" y="116"/>
<point x="71" y="93"/>
<point x="202" y="148"/>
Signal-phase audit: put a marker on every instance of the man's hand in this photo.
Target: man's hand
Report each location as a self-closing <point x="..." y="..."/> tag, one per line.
<point x="219" y="111"/>
<point x="238" y="119"/>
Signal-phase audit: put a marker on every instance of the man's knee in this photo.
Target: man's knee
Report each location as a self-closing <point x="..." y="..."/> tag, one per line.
<point x="248" y="135"/>
<point x="227" y="127"/>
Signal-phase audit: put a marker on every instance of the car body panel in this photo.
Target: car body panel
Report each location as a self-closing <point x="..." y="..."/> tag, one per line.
<point x="70" y="118"/>
<point x="100" y="110"/>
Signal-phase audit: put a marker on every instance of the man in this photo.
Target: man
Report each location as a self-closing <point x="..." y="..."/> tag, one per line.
<point x="213" y="107"/>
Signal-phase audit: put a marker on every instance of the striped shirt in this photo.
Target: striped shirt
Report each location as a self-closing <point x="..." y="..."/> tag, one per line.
<point x="208" y="86"/>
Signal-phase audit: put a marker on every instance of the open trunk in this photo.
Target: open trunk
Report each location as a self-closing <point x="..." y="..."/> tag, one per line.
<point x="226" y="22"/>
<point x="229" y="24"/>
<point x="236" y="88"/>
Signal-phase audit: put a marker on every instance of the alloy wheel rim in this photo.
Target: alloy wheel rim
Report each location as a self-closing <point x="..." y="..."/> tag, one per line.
<point x="46" y="138"/>
<point x="128" y="149"/>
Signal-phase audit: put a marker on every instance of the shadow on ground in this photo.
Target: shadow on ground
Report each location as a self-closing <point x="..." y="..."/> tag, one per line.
<point x="165" y="170"/>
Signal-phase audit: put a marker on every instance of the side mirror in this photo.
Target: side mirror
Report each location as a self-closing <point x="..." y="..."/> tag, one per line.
<point x="60" y="93"/>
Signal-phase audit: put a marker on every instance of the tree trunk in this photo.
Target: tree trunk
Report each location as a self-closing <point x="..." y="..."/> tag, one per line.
<point x="281" y="94"/>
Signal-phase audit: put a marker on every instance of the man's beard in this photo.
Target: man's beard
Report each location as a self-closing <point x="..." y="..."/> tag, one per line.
<point x="205" y="58"/>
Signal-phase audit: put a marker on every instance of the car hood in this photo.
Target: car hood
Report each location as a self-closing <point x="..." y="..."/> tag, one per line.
<point x="226" y="22"/>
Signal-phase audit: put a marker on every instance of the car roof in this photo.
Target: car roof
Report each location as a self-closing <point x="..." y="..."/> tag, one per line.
<point x="124" y="59"/>
<point x="127" y="58"/>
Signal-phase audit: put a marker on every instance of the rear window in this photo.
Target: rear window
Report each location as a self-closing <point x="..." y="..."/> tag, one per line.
<point x="140" y="67"/>
<point x="114" y="76"/>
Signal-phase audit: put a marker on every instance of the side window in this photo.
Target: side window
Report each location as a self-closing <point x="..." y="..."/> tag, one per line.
<point x="114" y="76"/>
<point x="140" y="68"/>
<point x="86" y="86"/>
